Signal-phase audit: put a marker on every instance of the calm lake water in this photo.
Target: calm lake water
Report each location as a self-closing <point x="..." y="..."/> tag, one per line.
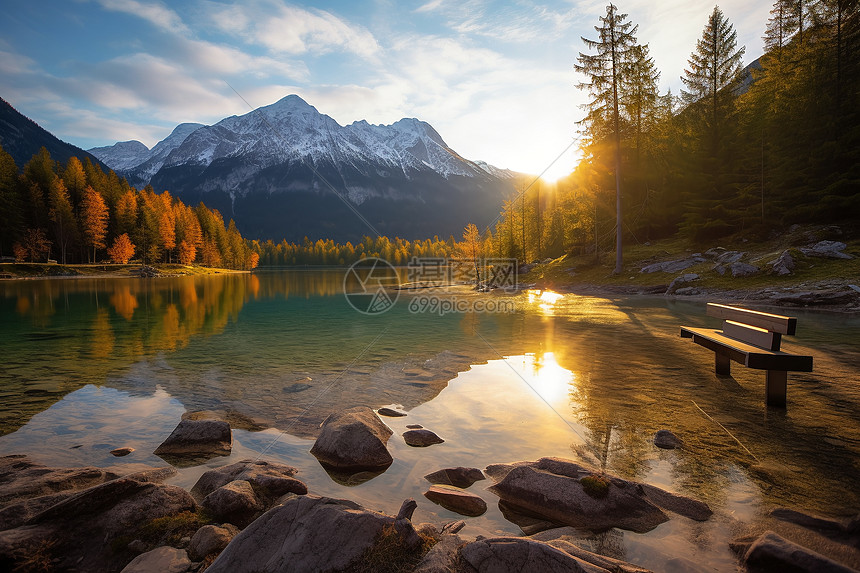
<point x="90" y="365"/>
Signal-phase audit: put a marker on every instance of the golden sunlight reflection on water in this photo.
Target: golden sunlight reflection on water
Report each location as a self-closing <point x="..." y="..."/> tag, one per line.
<point x="106" y="363"/>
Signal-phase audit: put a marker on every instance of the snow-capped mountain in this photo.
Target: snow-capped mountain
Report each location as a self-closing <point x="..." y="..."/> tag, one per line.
<point x="123" y="155"/>
<point x="285" y="170"/>
<point x="136" y="161"/>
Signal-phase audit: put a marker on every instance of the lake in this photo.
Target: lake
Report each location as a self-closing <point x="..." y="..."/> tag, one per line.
<point x="88" y="365"/>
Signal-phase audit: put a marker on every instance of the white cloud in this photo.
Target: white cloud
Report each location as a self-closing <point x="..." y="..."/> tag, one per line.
<point x="154" y="12"/>
<point x="288" y="29"/>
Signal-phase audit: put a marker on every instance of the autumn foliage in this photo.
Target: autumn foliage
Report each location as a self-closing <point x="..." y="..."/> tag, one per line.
<point x="122" y="250"/>
<point x="74" y="212"/>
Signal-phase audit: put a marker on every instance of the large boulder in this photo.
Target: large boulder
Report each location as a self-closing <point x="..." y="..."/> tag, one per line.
<point x="234" y="503"/>
<point x="269" y="480"/>
<point x="79" y="528"/>
<point x="197" y="439"/>
<point x="28" y="488"/>
<point x="457" y="500"/>
<point x="827" y="250"/>
<point x="458" y="476"/>
<point x="564" y="492"/>
<point x="160" y="560"/>
<point x="353" y="440"/>
<point x="306" y="533"/>
<point x="770" y="552"/>
<point x="501" y="554"/>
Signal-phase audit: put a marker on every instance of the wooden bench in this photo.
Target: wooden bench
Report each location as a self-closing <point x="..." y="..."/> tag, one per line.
<point x="752" y="338"/>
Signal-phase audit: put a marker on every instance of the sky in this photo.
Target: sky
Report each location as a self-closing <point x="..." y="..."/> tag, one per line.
<point x="495" y="79"/>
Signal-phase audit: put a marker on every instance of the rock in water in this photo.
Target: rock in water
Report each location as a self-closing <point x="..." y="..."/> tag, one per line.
<point x="160" y="560"/>
<point x="457" y="500"/>
<point x="421" y="438"/>
<point x="459" y="476"/>
<point x="306" y="533"/>
<point x="551" y="488"/>
<point x="353" y="440"/>
<point x="770" y="552"/>
<point x="119" y="452"/>
<point x="391" y="412"/>
<point x="666" y="440"/>
<point x="198" y="438"/>
<point x="270" y="480"/>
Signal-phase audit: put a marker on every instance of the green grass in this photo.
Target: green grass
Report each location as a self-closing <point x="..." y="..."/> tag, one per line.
<point x="809" y="270"/>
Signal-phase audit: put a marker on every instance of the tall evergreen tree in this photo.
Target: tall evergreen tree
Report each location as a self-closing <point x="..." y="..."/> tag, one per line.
<point x="11" y="215"/>
<point x="711" y="79"/>
<point x="605" y="70"/>
<point x="62" y="215"/>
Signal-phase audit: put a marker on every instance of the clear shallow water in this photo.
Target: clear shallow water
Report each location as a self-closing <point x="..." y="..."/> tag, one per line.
<point x="89" y="365"/>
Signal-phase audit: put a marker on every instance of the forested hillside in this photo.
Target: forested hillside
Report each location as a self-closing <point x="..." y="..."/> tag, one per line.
<point x="737" y="151"/>
<point x="77" y="213"/>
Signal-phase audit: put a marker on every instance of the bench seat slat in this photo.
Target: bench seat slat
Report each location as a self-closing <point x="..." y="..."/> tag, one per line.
<point x="773" y="322"/>
<point x="747" y="354"/>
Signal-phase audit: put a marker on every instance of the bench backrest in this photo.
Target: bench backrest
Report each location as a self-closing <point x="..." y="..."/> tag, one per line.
<point x="760" y="329"/>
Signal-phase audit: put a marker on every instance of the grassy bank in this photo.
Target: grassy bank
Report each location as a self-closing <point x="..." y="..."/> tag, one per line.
<point x="53" y="270"/>
<point x="586" y="270"/>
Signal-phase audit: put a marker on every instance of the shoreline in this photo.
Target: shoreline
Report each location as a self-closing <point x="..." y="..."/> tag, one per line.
<point x="42" y="271"/>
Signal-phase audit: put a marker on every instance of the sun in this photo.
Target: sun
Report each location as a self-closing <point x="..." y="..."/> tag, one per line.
<point x="553" y="164"/>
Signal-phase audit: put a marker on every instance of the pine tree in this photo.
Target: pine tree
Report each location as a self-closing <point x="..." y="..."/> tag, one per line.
<point x="605" y="71"/>
<point x="714" y="71"/>
<point x="11" y="215"/>
<point x="62" y="215"/>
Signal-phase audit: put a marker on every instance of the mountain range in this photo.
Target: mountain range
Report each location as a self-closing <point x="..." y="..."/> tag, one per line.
<point x="287" y="171"/>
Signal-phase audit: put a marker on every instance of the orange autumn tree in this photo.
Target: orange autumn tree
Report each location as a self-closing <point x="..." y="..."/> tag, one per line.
<point x="122" y="250"/>
<point x="94" y="220"/>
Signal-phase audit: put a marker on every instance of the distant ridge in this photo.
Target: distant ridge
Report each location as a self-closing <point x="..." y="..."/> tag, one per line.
<point x="21" y="137"/>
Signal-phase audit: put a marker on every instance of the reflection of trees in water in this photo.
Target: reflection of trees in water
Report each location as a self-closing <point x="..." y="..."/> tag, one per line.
<point x="622" y="397"/>
<point x="79" y="331"/>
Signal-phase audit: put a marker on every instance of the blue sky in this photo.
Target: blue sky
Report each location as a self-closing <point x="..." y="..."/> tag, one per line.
<point x="494" y="78"/>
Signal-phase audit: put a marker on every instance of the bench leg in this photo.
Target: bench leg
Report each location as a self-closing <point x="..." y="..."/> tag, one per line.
<point x="723" y="364"/>
<point x="776" y="383"/>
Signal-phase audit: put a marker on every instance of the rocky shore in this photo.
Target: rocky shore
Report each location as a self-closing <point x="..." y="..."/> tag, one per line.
<point x="258" y="515"/>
